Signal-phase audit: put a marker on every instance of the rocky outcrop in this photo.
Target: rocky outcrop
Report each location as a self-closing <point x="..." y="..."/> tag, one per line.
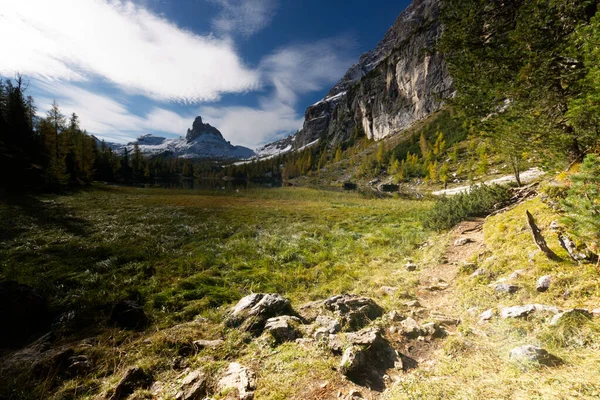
<point x="199" y="128"/>
<point x="402" y="81"/>
<point x="252" y="312"/>
<point x="238" y="382"/>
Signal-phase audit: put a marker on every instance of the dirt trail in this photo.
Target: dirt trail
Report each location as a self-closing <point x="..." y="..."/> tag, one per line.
<point x="437" y="293"/>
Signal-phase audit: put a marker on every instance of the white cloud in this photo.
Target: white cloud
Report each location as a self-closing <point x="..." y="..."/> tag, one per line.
<point x="244" y="16"/>
<point x="119" y="41"/>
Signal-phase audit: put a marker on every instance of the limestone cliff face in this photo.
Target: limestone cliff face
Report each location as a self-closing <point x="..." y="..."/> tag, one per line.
<point x="400" y="82"/>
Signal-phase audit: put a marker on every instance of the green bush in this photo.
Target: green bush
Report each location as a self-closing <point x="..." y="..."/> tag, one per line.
<point x="478" y="202"/>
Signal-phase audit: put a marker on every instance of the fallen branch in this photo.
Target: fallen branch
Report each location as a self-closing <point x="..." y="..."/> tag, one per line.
<point x="539" y="239"/>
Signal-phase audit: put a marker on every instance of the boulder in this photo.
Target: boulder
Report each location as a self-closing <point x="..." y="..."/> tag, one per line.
<point x="543" y="284"/>
<point x="395" y="316"/>
<point x="193" y="386"/>
<point x="486" y="315"/>
<point x="410" y="328"/>
<point x="133" y="379"/>
<point x="506" y="288"/>
<point x="433" y="330"/>
<point x="526" y="310"/>
<point x="354" y="311"/>
<point x="328" y="324"/>
<point x="573" y="313"/>
<point x="534" y="355"/>
<point x="128" y="314"/>
<point x="23" y="312"/>
<point x="252" y="312"/>
<point x="353" y="360"/>
<point x="366" y="337"/>
<point x="239" y="382"/>
<point x="283" y="329"/>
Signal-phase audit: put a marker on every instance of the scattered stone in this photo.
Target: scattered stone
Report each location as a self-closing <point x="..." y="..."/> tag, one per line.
<point x="22" y="312"/>
<point x="128" y="314"/>
<point x="283" y="329"/>
<point x="328" y="324"/>
<point x="526" y="310"/>
<point x="413" y="303"/>
<point x="252" y="312"/>
<point x="395" y="316"/>
<point x="433" y="330"/>
<point x="569" y="313"/>
<point x="486" y="315"/>
<point x="354" y="395"/>
<point x="479" y="272"/>
<point x="462" y="242"/>
<point x="388" y="290"/>
<point x="410" y="267"/>
<point x="238" y="380"/>
<point x="437" y="287"/>
<point x="354" y="311"/>
<point x="543" y="284"/>
<point x="555" y="226"/>
<point x="410" y="328"/>
<point x="534" y="354"/>
<point x="353" y="360"/>
<point x="193" y="386"/>
<point x="506" y="288"/>
<point x="516" y="275"/>
<point x="208" y="344"/>
<point x="134" y="378"/>
<point x="445" y="320"/>
<point x="365" y="337"/>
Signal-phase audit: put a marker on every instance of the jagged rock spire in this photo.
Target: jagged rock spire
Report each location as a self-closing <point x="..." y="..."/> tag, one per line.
<point x="199" y="128"/>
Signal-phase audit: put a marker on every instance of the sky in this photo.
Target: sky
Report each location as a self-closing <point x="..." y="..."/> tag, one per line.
<point x="133" y="67"/>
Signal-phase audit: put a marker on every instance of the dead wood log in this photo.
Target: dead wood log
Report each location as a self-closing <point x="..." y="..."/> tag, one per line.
<point x="539" y="239"/>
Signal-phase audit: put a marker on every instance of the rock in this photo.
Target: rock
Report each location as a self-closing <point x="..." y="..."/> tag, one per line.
<point x="328" y="324"/>
<point x="365" y="337"/>
<point x="516" y="274"/>
<point x="387" y="290"/>
<point x="410" y="328"/>
<point x="411" y="267"/>
<point x="555" y="226"/>
<point x="210" y="344"/>
<point x="193" y="386"/>
<point x="252" y="312"/>
<point x="473" y="311"/>
<point x="413" y="303"/>
<point x="199" y="128"/>
<point x="433" y="330"/>
<point x="128" y="314"/>
<point x="354" y="395"/>
<point x="283" y="329"/>
<point x="333" y="343"/>
<point x="596" y="312"/>
<point x="395" y="316"/>
<point x="462" y="242"/>
<point x="134" y="378"/>
<point x="486" y="315"/>
<point x="354" y="311"/>
<point x="526" y="310"/>
<point x="238" y="381"/>
<point x="543" y="284"/>
<point x="23" y="312"/>
<point x="534" y="354"/>
<point x="444" y="319"/>
<point x="437" y="287"/>
<point x="353" y="360"/>
<point x="556" y="319"/>
<point x="478" y="273"/>
<point x="79" y="365"/>
<point x="506" y="288"/>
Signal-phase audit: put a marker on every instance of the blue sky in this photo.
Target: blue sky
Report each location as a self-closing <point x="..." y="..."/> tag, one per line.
<point x="127" y="68"/>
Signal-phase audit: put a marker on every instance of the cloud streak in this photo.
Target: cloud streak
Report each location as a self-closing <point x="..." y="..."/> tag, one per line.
<point x="245" y="17"/>
<point x="140" y="52"/>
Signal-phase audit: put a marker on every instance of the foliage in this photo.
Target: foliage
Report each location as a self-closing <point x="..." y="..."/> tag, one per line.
<point x="582" y="204"/>
<point x="479" y="201"/>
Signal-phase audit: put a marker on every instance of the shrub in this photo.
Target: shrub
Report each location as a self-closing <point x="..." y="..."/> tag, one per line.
<point x="478" y="202"/>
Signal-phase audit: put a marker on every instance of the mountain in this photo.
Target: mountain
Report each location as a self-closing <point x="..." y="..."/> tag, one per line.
<point x="403" y="80"/>
<point x="201" y="141"/>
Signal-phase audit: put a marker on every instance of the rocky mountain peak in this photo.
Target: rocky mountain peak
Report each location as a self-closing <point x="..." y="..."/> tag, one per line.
<point x="199" y="128"/>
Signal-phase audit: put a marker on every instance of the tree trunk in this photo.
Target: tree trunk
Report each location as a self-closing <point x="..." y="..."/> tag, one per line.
<point x="516" y="170"/>
<point x="539" y="239"/>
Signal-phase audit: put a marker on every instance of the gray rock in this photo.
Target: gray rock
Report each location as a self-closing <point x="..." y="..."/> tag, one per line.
<point x="533" y="354"/>
<point x="479" y="272"/>
<point x="462" y="242"/>
<point x="395" y="316"/>
<point x="134" y="378"/>
<point x="411" y="267"/>
<point x="433" y="330"/>
<point x="413" y="303"/>
<point x="210" y="344"/>
<point x="445" y="319"/>
<point x="354" y="311"/>
<point x="252" y="312"/>
<point x="353" y="360"/>
<point x="558" y="318"/>
<point x="410" y="328"/>
<point x="486" y="315"/>
<point x="239" y="380"/>
<point x="506" y="288"/>
<point x="365" y="337"/>
<point x="388" y="290"/>
<point x="437" y="287"/>
<point x="526" y="310"/>
<point x="193" y="386"/>
<point x="283" y="329"/>
<point x="354" y="395"/>
<point x="516" y="274"/>
<point x="328" y="324"/>
<point x="543" y="284"/>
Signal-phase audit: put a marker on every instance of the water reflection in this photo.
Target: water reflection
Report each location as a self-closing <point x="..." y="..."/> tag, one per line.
<point x="210" y="184"/>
